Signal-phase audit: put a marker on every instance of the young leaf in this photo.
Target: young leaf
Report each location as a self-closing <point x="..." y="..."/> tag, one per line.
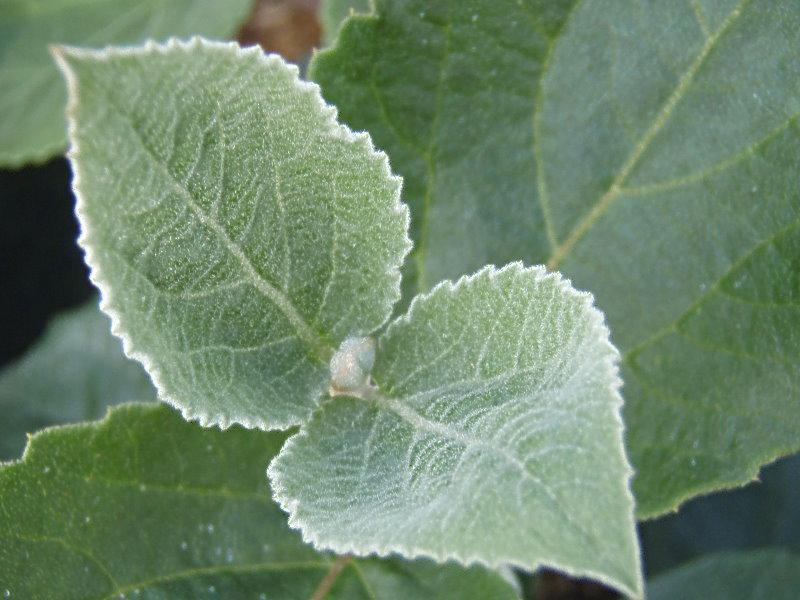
<point x="72" y="374"/>
<point x="756" y="575"/>
<point x="237" y="232"/>
<point x="144" y="504"/>
<point x="32" y="97"/>
<point x="646" y="150"/>
<point x="493" y="436"/>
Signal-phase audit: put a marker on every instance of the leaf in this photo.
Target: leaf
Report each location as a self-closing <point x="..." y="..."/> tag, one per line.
<point x="73" y="373"/>
<point x="646" y="150"/>
<point x="238" y="233"/>
<point x="33" y="97"/>
<point x="333" y="12"/>
<point x="763" y="514"/>
<point x="144" y="504"/>
<point x="493" y="437"/>
<point x="760" y="575"/>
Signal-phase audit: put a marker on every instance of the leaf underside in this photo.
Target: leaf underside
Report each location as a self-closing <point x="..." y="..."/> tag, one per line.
<point x="73" y="373"/>
<point x="646" y="150"/>
<point x="237" y="233"/>
<point x="145" y="505"/>
<point x="494" y="437"/>
<point x="32" y="95"/>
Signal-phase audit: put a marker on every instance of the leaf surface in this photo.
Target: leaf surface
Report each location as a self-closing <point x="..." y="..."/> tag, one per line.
<point x="757" y="575"/>
<point x="72" y="373"/>
<point x="646" y="150"/>
<point x="237" y="233"/>
<point x="33" y="96"/>
<point x="494" y="437"/>
<point x="145" y="505"/>
<point x="332" y="14"/>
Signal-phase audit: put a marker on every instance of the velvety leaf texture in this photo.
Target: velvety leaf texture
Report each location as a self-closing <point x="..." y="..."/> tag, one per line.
<point x="757" y="575"/>
<point x="493" y="436"/>
<point x="237" y="233"/>
<point x="649" y="151"/>
<point x="72" y="373"/>
<point x="144" y="505"/>
<point x="32" y="95"/>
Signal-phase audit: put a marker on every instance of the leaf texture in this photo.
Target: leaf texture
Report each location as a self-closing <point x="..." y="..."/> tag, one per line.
<point x="145" y="505"/>
<point x="33" y="96"/>
<point x="648" y="150"/>
<point x="237" y="233"/>
<point x="72" y="373"/>
<point x="493" y="437"/>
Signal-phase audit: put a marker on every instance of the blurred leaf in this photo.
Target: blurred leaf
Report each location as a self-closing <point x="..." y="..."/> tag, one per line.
<point x="763" y="514"/>
<point x="757" y="575"/>
<point x="72" y="374"/>
<point x="32" y="95"/>
<point x="332" y="14"/>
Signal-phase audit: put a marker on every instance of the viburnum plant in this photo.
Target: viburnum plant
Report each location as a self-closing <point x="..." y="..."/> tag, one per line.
<point x="379" y="363"/>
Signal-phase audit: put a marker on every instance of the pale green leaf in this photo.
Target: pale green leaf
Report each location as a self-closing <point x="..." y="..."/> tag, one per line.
<point x="71" y="374"/>
<point x="237" y="233"/>
<point x="144" y="505"/>
<point x="493" y="436"/>
<point x="333" y="12"/>
<point x="649" y="151"/>
<point x="758" y="575"/>
<point x="32" y="95"/>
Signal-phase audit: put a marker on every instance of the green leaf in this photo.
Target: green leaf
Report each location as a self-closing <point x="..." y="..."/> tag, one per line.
<point x="237" y="232"/>
<point x="333" y="12"/>
<point x="763" y="514"/>
<point x="73" y="373"/>
<point x="759" y="575"/>
<point x="646" y="150"/>
<point x="146" y="505"/>
<point x="493" y="436"/>
<point x="33" y="97"/>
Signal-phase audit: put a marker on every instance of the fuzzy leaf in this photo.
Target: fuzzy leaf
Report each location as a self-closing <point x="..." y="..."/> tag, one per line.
<point x="757" y="575"/>
<point x="33" y="96"/>
<point x="237" y="233"/>
<point x="493" y="437"/>
<point x="146" y="505"/>
<point x="649" y="151"/>
<point x="73" y="373"/>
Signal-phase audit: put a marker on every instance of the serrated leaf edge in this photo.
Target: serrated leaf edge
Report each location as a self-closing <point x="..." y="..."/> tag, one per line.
<point x="597" y="321"/>
<point x="84" y="240"/>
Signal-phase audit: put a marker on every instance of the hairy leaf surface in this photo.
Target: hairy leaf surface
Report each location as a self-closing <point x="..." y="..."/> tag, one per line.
<point x="757" y="575"/>
<point x="146" y="505"/>
<point x="237" y="232"/>
<point x="493" y="437"/>
<point x="32" y="96"/>
<point x="72" y="373"/>
<point x="649" y="151"/>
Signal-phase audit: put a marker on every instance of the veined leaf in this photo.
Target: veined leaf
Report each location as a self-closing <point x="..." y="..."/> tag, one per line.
<point x="72" y="374"/>
<point x="33" y="97"/>
<point x="237" y="233"/>
<point x="758" y="575"/>
<point x="146" y="505"/>
<point x="493" y="436"/>
<point x="649" y="151"/>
